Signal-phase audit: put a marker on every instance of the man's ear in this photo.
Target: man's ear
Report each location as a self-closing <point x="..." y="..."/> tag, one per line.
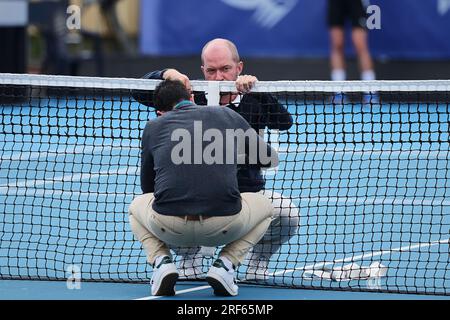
<point x="159" y="113"/>
<point x="240" y="67"/>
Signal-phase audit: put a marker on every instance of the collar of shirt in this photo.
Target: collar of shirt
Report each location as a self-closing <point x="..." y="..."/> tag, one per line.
<point x="237" y="100"/>
<point x="183" y="104"/>
<point x="235" y="103"/>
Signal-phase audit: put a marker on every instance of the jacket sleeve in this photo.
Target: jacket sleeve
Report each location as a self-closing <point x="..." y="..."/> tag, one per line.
<point x="277" y="116"/>
<point x="155" y="75"/>
<point x="147" y="164"/>
<point x="146" y="97"/>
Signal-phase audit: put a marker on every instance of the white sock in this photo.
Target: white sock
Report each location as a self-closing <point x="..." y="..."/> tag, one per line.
<point x="158" y="260"/>
<point x="368" y="75"/>
<point x="338" y="75"/>
<point x="227" y="262"/>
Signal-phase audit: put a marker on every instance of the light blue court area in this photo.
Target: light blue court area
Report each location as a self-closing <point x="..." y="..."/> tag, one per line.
<point x="371" y="183"/>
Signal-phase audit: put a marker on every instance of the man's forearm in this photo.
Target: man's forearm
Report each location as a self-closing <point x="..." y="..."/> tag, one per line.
<point x="156" y="75"/>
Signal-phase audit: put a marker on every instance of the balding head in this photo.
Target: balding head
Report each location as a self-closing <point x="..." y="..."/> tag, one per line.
<point x="220" y="61"/>
<point x="220" y="45"/>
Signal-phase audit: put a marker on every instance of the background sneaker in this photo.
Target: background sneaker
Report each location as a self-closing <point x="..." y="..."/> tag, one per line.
<point x="339" y="99"/>
<point x="257" y="270"/>
<point x="190" y="267"/>
<point x="371" y="98"/>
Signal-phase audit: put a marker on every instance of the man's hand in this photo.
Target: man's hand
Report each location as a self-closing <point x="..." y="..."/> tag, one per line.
<point x="245" y="83"/>
<point x="172" y="74"/>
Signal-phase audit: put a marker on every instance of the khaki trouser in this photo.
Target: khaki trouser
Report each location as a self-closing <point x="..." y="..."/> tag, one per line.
<point x="284" y="225"/>
<point x="239" y="232"/>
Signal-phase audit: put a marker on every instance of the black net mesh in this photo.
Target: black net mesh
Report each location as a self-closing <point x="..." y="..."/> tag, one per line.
<point x="361" y="194"/>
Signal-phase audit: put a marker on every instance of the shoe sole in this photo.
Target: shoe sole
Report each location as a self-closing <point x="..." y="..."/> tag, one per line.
<point x="219" y="288"/>
<point x="192" y="277"/>
<point x="167" y="285"/>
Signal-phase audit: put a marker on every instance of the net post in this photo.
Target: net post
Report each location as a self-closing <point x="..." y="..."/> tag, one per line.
<point x="213" y="93"/>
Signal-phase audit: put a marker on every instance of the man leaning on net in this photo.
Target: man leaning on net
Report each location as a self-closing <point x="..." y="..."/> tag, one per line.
<point x="220" y="61"/>
<point x="190" y="200"/>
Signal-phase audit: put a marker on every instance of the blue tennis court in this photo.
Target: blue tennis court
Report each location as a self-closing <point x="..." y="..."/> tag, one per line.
<point x="57" y="290"/>
<point x="370" y="181"/>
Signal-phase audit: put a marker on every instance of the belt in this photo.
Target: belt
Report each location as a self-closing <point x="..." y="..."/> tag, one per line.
<point x="195" y="218"/>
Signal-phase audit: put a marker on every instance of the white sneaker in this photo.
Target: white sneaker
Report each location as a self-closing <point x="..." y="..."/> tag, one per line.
<point x="371" y="98"/>
<point x="258" y="269"/>
<point x="339" y="99"/>
<point x="190" y="267"/>
<point x="221" y="278"/>
<point x="164" y="277"/>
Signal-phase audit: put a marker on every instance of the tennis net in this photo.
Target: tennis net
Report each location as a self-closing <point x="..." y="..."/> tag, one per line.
<point x="364" y="167"/>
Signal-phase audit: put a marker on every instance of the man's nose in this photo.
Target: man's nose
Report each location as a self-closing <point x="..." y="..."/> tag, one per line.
<point x="219" y="75"/>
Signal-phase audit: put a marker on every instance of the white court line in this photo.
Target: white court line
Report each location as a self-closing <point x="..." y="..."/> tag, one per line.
<point x="322" y="264"/>
<point x="360" y="257"/>
<point x="330" y="201"/>
<point x="28" y="155"/>
<point x="391" y="153"/>
<point x="53" y="193"/>
<point x="438" y="201"/>
<point x="176" y="293"/>
<point x="69" y="178"/>
<point x="81" y="150"/>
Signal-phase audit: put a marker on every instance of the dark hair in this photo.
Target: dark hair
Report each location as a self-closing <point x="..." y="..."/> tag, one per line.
<point x="168" y="93"/>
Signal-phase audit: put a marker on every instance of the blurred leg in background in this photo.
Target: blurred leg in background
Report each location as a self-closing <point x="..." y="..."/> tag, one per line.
<point x="13" y="51"/>
<point x="13" y="24"/>
<point x="64" y="50"/>
<point x="337" y="57"/>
